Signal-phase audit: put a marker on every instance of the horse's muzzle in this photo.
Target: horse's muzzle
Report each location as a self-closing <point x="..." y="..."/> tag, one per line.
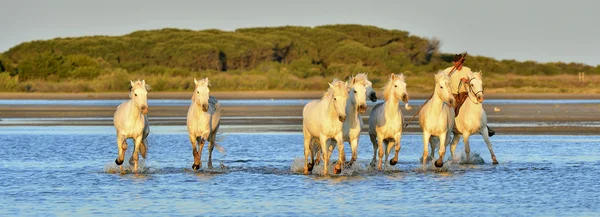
<point x="204" y="107"/>
<point x="144" y="109"/>
<point x="362" y="108"/>
<point x="480" y="98"/>
<point x="405" y="98"/>
<point x="342" y="118"/>
<point x="373" y="97"/>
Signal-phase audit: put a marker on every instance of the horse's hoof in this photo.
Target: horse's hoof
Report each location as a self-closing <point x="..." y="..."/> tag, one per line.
<point x="195" y="166"/>
<point x="337" y="169"/>
<point x="310" y="167"/>
<point x="118" y="162"/>
<point x="393" y="162"/>
<point x="495" y="162"/>
<point x="131" y="162"/>
<point x="439" y="163"/>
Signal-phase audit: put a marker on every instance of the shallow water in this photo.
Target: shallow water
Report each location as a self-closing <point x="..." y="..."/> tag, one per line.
<point x="68" y="170"/>
<point x="271" y="102"/>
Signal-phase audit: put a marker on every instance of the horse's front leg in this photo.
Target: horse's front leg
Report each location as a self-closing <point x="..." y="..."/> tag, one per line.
<point x="326" y="154"/>
<point x="342" y="155"/>
<point x="486" y="138"/>
<point x="442" y="149"/>
<point x="308" y="150"/>
<point x="426" y="137"/>
<point x="138" y="142"/>
<point x="390" y="144"/>
<point x="379" y="152"/>
<point x="201" y="141"/>
<point x="467" y="146"/>
<point x="122" y="146"/>
<point x="194" y="142"/>
<point x="397" y="138"/>
<point x="354" y="147"/>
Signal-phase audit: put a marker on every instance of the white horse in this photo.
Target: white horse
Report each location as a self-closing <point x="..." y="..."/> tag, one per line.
<point x="323" y="119"/>
<point x="203" y="120"/>
<point x="131" y="121"/>
<point x="437" y="118"/>
<point x="360" y="89"/>
<point x="386" y="120"/>
<point x="472" y="118"/>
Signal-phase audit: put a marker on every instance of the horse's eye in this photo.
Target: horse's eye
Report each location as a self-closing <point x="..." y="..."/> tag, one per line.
<point x="441" y="87"/>
<point x="197" y="91"/>
<point x="471" y="85"/>
<point x="136" y="94"/>
<point x="334" y="98"/>
<point x="355" y="91"/>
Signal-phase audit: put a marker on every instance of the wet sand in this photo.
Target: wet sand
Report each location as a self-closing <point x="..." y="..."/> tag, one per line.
<point x="509" y="119"/>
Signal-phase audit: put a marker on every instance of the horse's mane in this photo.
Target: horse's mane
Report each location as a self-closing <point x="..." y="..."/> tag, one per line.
<point x="361" y="78"/>
<point x="441" y="75"/>
<point x="330" y="90"/>
<point x="388" y="86"/>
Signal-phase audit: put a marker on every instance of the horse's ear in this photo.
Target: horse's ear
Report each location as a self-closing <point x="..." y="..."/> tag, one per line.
<point x="144" y="83"/>
<point x="392" y="77"/>
<point x="131" y="83"/>
<point x="195" y="81"/>
<point x="348" y="87"/>
<point x="330" y="85"/>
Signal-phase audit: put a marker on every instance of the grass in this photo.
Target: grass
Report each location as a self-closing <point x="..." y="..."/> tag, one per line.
<point x="118" y="81"/>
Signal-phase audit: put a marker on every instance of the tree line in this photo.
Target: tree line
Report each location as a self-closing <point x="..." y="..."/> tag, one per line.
<point x="293" y="52"/>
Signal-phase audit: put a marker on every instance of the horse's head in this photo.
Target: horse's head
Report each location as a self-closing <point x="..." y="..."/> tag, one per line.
<point x="201" y="93"/>
<point x="442" y="88"/>
<point x="139" y="94"/>
<point x="339" y="91"/>
<point x="396" y="87"/>
<point x="476" y="86"/>
<point x="358" y="91"/>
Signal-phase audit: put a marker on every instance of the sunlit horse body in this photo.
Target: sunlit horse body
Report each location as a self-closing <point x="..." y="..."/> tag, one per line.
<point x="203" y="119"/>
<point x="360" y="89"/>
<point x="323" y="120"/>
<point x="386" y="120"/>
<point x="436" y="118"/>
<point x="131" y="121"/>
<point x="472" y="118"/>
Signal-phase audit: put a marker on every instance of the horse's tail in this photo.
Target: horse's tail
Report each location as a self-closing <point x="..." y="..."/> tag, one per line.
<point x="217" y="138"/>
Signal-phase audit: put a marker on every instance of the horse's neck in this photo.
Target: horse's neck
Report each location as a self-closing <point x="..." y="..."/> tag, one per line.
<point x="330" y="111"/>
<point x="391" y="106"/>
<point x="471" y="104"/>
<point x="351" y="108"/>
<point x="134" y="112"/>
<point x="436" y="103"/>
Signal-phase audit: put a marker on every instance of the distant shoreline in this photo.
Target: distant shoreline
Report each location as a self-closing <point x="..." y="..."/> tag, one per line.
<point x="265" y="95"/>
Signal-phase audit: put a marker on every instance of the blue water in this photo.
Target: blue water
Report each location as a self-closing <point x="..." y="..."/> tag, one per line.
<point x="63" y="170"/>
<point x="267" y="102"/>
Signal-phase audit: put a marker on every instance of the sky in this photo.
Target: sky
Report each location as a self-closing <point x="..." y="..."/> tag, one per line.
<point x="540" y="30"/>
